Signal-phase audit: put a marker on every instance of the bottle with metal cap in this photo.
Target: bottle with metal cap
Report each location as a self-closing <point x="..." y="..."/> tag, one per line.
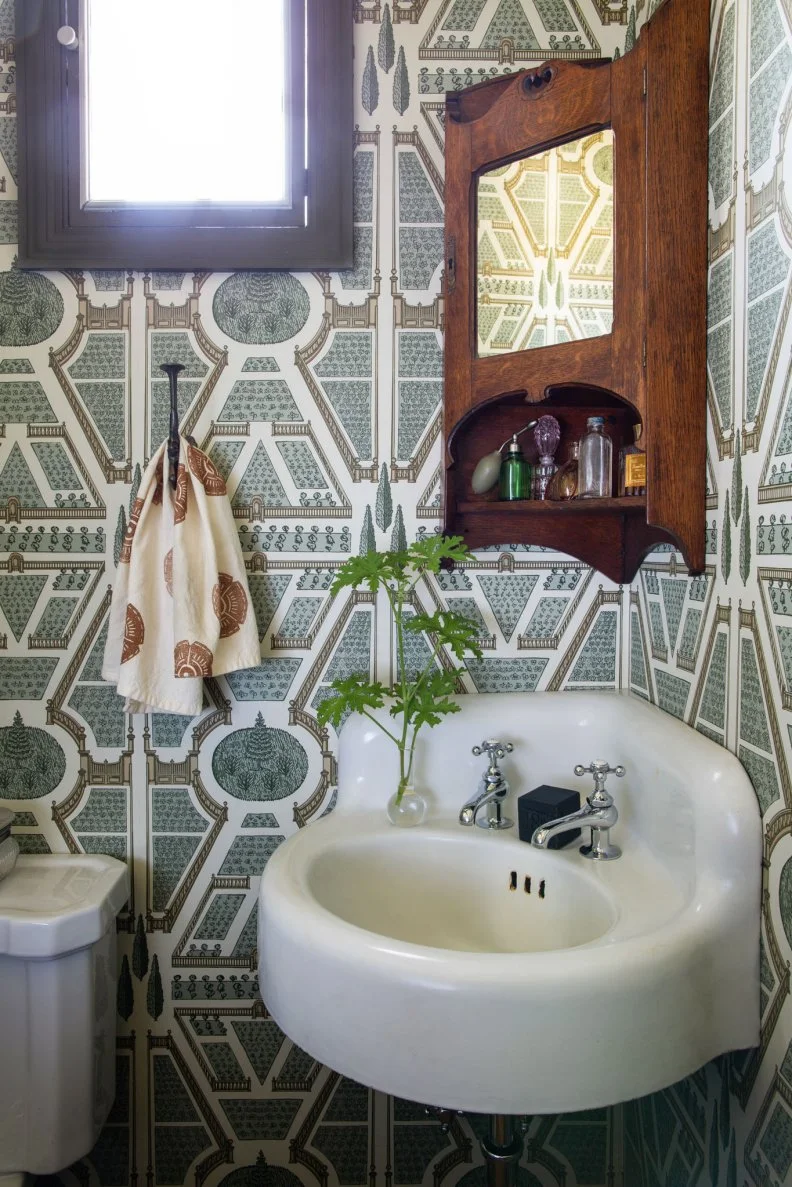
<point x="516" y="477"/>
<point x="595" y="471"/>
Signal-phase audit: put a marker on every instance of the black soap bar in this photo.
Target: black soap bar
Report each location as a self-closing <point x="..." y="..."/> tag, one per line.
<point x="543" y="805"/>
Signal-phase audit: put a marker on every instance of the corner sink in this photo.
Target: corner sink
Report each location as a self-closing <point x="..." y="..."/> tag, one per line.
<point x="467" y="969"/>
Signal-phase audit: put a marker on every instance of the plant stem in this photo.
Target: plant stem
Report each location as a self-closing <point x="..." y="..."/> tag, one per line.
<point x="379" y="725"/>
<point x="403" y="675"/>
<point x="397" y="609"/>
<point x="397" y="596"/>
<point x="412" y="753"/>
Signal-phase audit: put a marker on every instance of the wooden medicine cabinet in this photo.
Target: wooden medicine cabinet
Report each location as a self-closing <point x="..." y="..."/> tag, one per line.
<point x="576" y="285"/>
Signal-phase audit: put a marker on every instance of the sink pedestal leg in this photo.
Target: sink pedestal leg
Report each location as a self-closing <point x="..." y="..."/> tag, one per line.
<point x="502" y="1149"/>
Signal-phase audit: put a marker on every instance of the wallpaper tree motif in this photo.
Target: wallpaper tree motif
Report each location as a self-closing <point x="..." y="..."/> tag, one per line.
<point x="318" y="398"/>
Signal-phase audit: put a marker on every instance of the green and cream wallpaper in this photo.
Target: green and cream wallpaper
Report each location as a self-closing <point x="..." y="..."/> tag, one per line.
<point x="716" y="650"/>
<point x="318" y="396"/>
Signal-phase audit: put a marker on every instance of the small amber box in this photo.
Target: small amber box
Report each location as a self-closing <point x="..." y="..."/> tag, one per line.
<point x="543" y="805"/>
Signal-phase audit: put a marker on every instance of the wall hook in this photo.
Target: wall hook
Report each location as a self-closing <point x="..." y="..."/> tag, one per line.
<point x="172" y="370"/>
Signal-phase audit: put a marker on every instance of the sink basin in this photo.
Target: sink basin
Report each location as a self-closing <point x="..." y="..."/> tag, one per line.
<point x="444" y="889"/>
<point x="467" y="969"/>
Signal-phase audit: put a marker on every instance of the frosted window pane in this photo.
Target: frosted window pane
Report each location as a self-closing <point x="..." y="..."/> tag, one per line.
<point x="186" y="101"/>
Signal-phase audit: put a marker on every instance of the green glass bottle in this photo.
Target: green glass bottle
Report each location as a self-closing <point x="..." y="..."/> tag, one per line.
<point x="515" y="474"/>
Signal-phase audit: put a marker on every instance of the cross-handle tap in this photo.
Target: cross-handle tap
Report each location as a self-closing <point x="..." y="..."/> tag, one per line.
<point x="492" y="790"/>
<point x="495" y="750"/>
<point x="599" y="814"/>
<point x="600" y="769"/>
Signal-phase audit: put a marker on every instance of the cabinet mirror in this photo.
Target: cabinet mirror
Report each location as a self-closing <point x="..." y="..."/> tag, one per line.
<point x="544" y="247"/>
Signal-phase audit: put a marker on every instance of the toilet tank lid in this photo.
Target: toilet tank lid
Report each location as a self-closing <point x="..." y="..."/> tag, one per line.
<point x="53" y="903"/>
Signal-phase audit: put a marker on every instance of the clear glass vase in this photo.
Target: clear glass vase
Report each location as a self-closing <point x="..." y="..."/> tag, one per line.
<point x="406" y="807"/>
<point x="9" y="852"/>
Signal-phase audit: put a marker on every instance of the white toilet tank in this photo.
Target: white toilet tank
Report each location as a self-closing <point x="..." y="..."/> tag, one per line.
<point x="57" y="1007"/>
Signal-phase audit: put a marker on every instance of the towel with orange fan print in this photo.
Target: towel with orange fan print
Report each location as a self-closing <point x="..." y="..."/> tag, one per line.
<point x="181" y="607"/>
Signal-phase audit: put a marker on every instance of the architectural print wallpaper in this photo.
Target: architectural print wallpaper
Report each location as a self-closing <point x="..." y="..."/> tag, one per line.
<point x="716" y="650"/>
<point x="318" y="396"/>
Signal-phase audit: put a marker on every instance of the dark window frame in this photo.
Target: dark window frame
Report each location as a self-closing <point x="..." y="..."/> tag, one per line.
<point x="314" y="231"/>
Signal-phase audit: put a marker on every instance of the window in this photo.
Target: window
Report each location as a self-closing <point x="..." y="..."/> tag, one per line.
<point x="186" y="134"/>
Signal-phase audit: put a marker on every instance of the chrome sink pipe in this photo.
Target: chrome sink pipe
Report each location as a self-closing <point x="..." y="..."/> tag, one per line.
<point x="502" y="1149"/>
<point x="502" y="1146"/>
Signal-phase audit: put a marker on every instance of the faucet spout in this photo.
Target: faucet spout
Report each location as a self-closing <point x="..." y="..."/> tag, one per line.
<point x="488" y="793"/>
<point x="599" y="813"/>
<point x="584" y="817"/>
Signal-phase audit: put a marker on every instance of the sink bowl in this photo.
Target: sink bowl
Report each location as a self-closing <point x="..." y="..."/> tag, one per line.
<point x="467" y="969"/>
<point x="447" y="890"/>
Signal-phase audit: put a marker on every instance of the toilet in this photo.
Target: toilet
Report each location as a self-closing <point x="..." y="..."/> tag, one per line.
<point x="57" y="1008"/>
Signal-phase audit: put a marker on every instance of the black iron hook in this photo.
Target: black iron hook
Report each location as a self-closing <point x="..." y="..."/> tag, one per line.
<point x="173" y="370"/>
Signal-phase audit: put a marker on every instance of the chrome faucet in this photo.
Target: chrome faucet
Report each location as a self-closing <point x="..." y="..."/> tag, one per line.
<point x="492" y="790"/>
<point x="599" y="814"/>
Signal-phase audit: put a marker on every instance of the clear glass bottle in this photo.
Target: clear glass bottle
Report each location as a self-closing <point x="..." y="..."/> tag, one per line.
<point x="515" y="474"/>
<point x="595" y="478"/>
<point x="9" y="848"/>
<point x="632" y="467"/>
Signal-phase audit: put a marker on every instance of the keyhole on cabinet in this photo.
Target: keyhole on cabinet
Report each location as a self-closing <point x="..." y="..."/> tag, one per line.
<point x="450" y="279"/>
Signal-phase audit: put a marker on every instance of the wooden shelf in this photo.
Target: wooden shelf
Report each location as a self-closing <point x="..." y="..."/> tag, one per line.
<point x="611" y="534"/>
<point x="623" y="506"/>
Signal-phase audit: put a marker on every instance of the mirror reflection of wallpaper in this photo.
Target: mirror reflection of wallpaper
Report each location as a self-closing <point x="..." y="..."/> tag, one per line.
<point x="545" y="248"/>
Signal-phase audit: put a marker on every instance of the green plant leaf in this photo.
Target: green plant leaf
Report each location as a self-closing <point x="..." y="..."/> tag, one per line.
<point x="430" y="701"/>
<point x="429" y="698"/>
<point x="372" y="569"/>
<point x="453" y="630"/>
<point x="352" y="695"/>
<point x="429" y="552"/>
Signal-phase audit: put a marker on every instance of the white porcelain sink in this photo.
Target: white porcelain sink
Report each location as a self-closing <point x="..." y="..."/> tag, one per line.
<point x="468" y="969"/>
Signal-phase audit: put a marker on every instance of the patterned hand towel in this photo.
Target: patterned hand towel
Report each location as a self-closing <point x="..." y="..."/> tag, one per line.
<point x="181" y="606"/>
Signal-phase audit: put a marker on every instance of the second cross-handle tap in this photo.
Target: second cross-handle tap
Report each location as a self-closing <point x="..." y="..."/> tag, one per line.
<point x="599" y="814"/>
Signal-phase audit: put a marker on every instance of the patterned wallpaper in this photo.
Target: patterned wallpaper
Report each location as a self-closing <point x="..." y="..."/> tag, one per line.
<point x="716" y="650"/>
<point x="318" y="396"/>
